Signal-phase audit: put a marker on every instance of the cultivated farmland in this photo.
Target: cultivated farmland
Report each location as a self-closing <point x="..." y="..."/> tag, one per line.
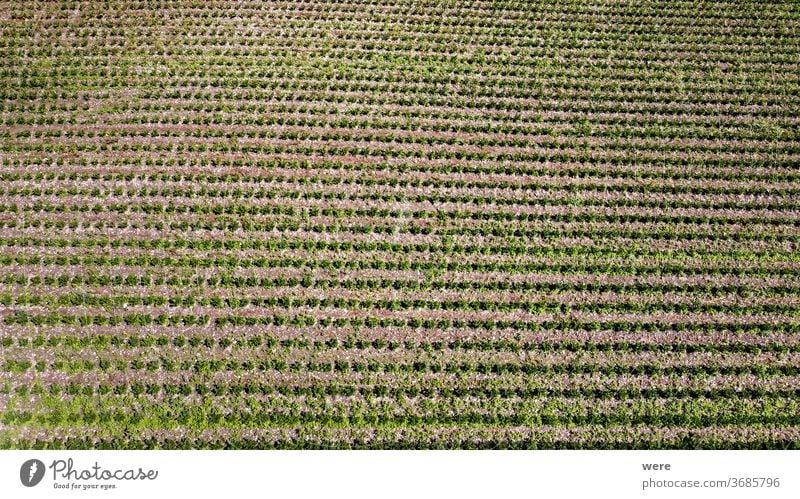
<point x="399" y="224"/>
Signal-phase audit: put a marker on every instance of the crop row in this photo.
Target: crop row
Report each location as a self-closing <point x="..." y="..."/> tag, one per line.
<point x="99" y="342"/>
<point x="565" y="266"/>
<point x="304" y="320"/>
<point x="542" y="305"/>
<point x="390" y="195"/>
<point x="222" y="281"/>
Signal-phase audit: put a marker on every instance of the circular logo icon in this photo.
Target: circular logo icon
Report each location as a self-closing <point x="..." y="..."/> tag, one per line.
<point x="31" y="472"/>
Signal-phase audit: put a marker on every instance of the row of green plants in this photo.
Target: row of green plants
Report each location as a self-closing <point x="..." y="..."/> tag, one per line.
<point x="22" y="317"/>
<point x="421" y="366"/>
<point x="398" y="392"/>
<point x="334" y="148"/>
<point x="140" y="169"/>
<point x="100" y="342"/>
<point x="557" y="141"/>
<point x="518" y="247"/>
<point x="585" y="101"/>
<point x="707" y="288"/>
<point x="632" y="304"/>
<point x="244" y="224"/>
<point x="557" y="84"/>
<point x="430" y="442"/>
<point x="686" y="414"/>
<point x="237" y="192"/>
<point x="676" y="266"/>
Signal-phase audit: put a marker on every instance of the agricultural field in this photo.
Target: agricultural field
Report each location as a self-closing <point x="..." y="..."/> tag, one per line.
<point x="399" y="224"/>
